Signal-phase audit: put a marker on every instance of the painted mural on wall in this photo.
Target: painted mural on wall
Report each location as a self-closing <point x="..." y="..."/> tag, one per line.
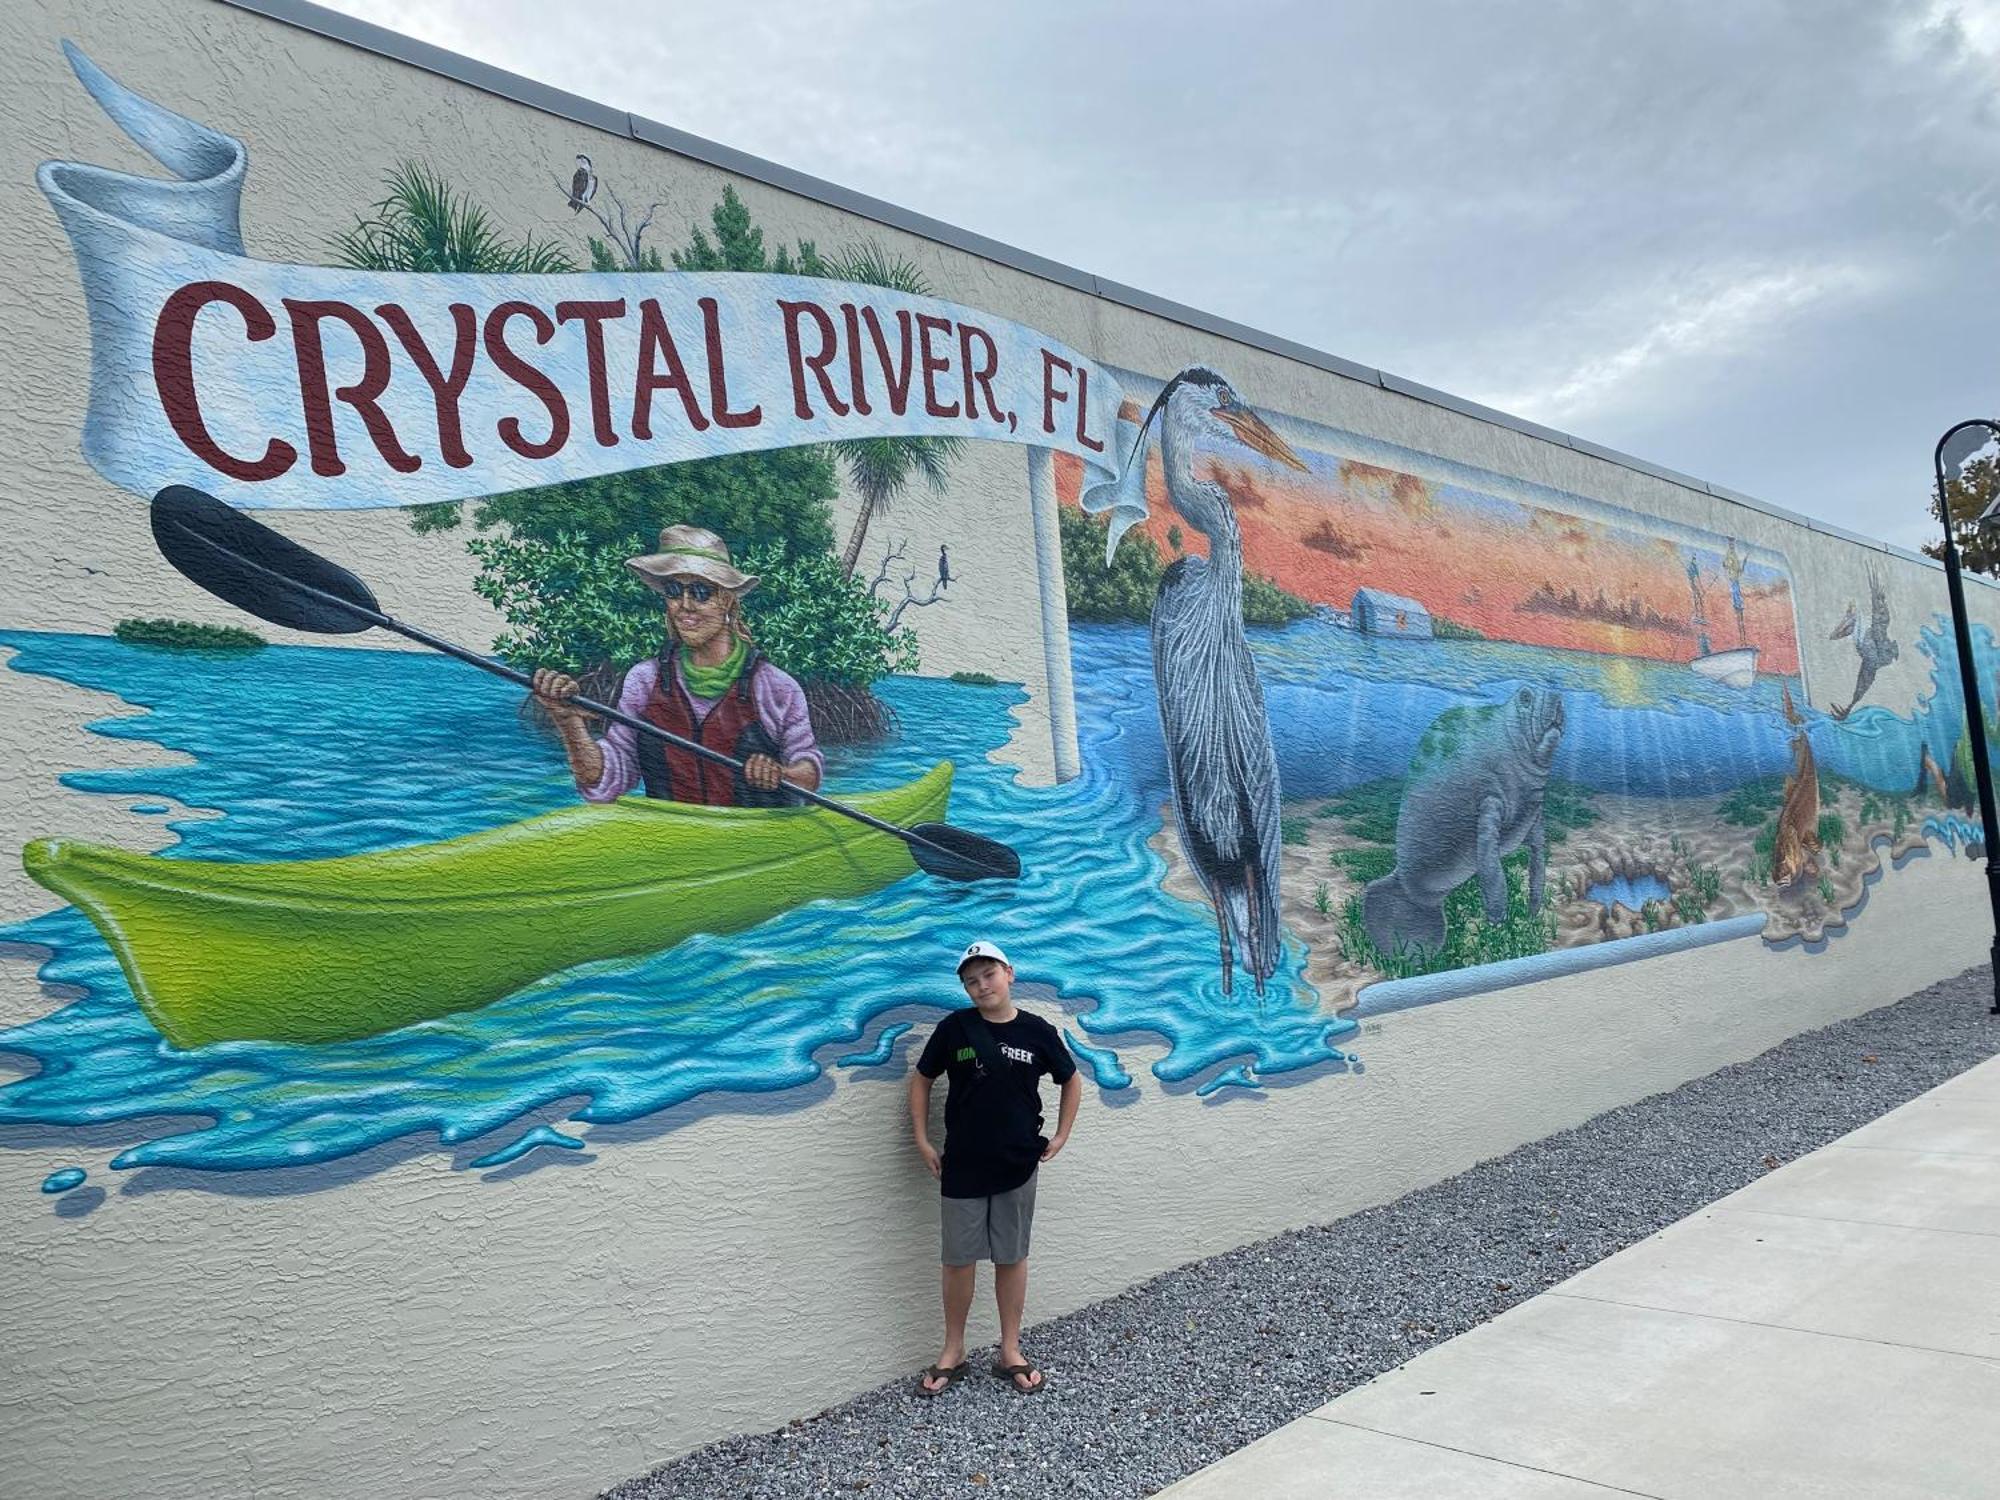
<point x="1516" y="732"/>
<point x="1359" y="728"/>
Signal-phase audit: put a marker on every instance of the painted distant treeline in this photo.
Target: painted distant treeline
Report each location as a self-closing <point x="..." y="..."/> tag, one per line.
<point x="1632" y="613"/>
<point x="1125" y="590"/>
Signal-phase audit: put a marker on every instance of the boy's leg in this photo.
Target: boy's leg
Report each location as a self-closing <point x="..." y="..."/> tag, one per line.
<point x="1013" y="1218"/>
<point x="1010" y="1291"/>
<point x="958" y="1283"/>
<point x="959" y="1218"/>
<point x="957" y="1303"/>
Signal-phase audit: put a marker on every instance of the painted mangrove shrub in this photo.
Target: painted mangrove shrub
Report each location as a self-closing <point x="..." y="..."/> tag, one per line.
<point x="186" y="635"/>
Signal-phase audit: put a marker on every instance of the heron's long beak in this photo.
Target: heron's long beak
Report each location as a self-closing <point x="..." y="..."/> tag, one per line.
<point x="1256" y="433"/>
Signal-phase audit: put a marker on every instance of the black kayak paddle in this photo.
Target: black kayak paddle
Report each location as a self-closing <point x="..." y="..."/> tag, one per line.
<point x="272" y="577"/>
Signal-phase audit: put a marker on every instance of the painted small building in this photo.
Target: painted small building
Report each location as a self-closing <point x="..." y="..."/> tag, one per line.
<point x="1379" y="613"/>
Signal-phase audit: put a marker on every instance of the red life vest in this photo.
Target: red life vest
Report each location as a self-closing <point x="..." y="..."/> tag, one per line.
<point x="732" y="727"/>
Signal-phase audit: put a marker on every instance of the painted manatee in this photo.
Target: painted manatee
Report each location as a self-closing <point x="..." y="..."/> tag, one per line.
<point x="1473" y="797"/>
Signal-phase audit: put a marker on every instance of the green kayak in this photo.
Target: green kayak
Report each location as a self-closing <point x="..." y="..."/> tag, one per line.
<point x="326" y="950"/>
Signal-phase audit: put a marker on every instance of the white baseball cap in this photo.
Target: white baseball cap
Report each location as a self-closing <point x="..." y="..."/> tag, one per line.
<point x="982" y="949"/>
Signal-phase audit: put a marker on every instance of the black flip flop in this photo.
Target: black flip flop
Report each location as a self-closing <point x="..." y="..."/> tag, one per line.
<point x="1025" y="1367"/>
<point x="950" y="1375"/>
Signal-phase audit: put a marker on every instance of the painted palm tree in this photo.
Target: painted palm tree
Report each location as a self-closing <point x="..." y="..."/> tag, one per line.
<point x="882" y="468"/>
<point x="1223" y="770"/>
<point x="424" y="225"/>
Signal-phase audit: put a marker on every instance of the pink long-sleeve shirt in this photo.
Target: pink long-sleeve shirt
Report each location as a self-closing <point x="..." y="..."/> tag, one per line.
<point x="780" y="704"/>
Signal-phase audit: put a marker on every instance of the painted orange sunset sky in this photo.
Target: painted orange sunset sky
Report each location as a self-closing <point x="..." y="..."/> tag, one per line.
<point x="1512" y="571"/>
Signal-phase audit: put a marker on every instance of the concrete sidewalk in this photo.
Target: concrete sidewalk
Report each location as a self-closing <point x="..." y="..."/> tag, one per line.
<point x="1831" y="1330"/>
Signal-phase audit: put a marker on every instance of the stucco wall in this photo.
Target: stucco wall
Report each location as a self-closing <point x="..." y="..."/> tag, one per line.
<point x="385" y="1317"/>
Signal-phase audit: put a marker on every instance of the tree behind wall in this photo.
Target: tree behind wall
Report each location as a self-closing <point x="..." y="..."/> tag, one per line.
<point x="1970" y="494"/>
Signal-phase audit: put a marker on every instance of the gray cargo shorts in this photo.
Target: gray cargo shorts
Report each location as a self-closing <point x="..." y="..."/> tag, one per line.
<point x="994" y="1228"/>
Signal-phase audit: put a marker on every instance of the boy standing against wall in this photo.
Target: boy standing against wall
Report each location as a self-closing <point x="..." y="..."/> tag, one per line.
<point x="993" y="1145"/>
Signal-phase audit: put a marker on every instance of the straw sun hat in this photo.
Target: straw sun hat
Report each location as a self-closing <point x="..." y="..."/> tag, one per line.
<point x="690" y="552"/>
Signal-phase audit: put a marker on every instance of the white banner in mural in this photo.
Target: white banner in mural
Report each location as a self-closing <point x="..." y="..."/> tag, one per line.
<point x="309" y="387"/>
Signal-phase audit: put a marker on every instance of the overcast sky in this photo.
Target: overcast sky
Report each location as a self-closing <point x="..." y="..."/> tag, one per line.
<point x="1750" y="240"/>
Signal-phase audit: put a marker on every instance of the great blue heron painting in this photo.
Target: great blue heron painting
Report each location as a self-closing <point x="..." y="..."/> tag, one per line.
<point x="1223" y="771"/>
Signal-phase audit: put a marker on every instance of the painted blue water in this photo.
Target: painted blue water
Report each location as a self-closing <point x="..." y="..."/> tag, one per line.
<point x="63" y="1179"/>
<point x="1228" y="1078"/>
<point x="1102" y="1062"/>
<point x="308" y="751"/>
<point x="1347" y="709"/>
<point x="528" y="1140"/>
<point x="1953" y="831"/>
<point x="881" y="1052"/>
<point x="1633" y="892"/>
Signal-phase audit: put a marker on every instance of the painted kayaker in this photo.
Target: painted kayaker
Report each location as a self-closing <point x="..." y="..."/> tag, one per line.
<point x="711" y="684"/>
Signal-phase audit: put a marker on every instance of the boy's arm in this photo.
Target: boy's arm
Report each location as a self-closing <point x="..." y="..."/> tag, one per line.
<point x="920" y="1120"/>
<point x="1072" y="1095"/>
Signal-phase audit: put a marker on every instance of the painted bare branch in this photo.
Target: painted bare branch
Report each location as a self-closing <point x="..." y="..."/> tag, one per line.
<point x="627" y="237"/>
<point x="911" y="599"/>
<point x="882" y="573"/>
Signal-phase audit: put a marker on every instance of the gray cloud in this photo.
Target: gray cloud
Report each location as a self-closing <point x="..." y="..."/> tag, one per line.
<point x="1749" y="240"/>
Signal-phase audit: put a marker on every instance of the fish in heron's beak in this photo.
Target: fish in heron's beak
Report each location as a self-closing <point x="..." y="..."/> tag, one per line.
<point x="1255" y="433"/>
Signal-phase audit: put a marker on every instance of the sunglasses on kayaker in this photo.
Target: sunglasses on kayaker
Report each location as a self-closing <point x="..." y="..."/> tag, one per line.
<point x="700" y="592"/>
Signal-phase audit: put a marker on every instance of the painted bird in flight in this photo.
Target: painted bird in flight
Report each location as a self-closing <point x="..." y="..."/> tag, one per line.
<point x="1873" y="646"/>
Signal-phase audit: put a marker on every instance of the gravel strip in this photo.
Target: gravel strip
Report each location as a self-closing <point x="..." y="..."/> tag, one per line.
<point x="1162" y="1379"/>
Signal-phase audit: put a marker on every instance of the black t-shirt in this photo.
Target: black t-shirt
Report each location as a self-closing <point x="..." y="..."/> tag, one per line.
<point x="993" y="1126"/>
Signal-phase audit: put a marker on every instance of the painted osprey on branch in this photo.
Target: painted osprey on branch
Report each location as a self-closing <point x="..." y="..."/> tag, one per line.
<point x="583" y="186"/>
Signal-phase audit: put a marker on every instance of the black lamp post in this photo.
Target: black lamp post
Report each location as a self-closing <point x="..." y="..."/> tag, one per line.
<point x="1953" y="449"/>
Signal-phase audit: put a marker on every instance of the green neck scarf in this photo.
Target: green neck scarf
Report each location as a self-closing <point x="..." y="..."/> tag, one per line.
<point x="713" y="682"/>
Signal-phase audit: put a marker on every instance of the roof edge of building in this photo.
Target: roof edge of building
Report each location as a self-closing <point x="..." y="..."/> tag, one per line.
<point x="370" y="37"/>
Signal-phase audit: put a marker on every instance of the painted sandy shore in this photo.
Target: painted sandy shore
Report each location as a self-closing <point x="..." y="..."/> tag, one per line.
<point x="61" y="715"/>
